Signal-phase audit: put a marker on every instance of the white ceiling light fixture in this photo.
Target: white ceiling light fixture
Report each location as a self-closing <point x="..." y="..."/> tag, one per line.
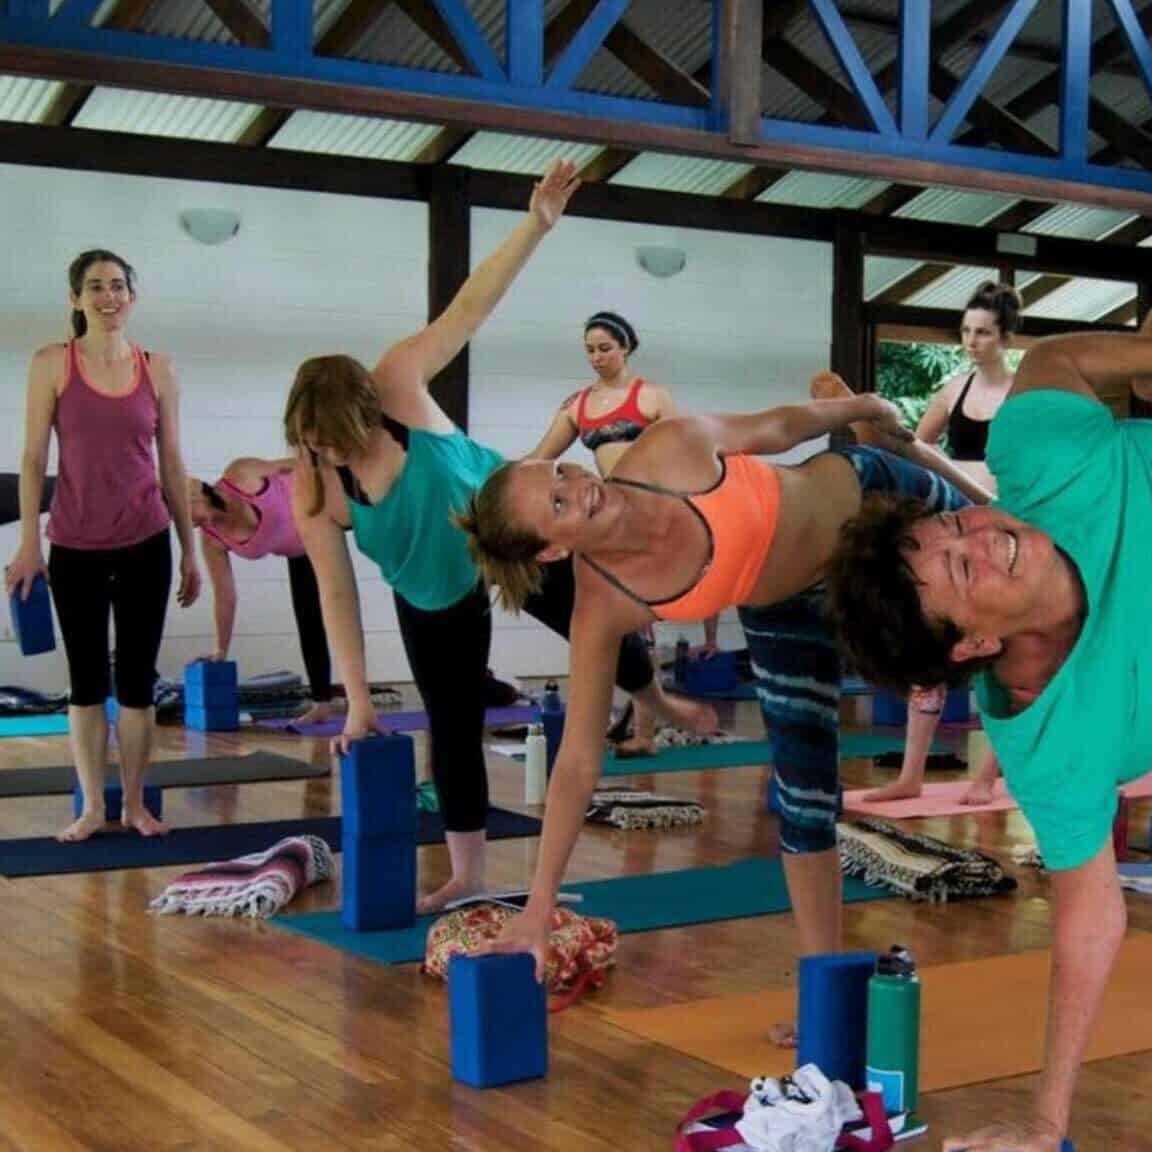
<point x="210" y="225"/>
<point x="660" y="260"/>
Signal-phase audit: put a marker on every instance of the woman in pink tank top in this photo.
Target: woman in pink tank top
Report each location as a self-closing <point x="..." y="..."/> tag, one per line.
<point x="248" y="513"/>
<point x="120" y="484"/>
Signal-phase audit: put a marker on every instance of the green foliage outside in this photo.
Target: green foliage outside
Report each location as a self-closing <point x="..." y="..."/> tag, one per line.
<point x="909" y="374"/>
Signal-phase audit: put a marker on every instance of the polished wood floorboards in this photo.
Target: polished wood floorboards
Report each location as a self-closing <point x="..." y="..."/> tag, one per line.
<point x="132" y="1033"/>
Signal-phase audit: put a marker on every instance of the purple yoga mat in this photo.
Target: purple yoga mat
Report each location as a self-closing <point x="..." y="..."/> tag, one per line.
<point x="402" y="721"/>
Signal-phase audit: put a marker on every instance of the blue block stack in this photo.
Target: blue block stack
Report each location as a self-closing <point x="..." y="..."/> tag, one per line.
<point x="499" y="1020"/>
<point x="378" y="801"/>
<point x="211" y="696"/>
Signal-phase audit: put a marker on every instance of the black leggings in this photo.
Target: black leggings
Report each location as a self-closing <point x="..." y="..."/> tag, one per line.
<point x="129" y="584"/>
<point x="448" y="653"/>
<point x="310" y="627"/>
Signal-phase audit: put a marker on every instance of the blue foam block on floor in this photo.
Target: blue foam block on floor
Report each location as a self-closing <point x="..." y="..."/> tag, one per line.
<point x="378" y="878"/>
<point x="377" y="786"/>
<point x="715" y="673"/>
<point x="499" y="1020"/>
<point x="212" y="719"/>
<point x="214" y="673"/>
<point x="832" y="1022"/>
<point x="114" y="801"/>
<point x="32" y="619"/>
<point x="210" y="696"/>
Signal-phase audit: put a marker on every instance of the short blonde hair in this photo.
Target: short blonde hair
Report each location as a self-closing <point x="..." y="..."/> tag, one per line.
<point x="332" y="402"/>
<point x="504" y="552"/>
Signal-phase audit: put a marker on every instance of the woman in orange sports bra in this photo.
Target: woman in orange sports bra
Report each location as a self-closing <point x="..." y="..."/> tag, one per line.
<point x="688" y="524"/>
<point x="607" y="417"/>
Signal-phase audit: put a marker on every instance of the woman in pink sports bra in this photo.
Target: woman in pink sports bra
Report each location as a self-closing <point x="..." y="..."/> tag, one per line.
<point x="120" y="485"/>
<point x="607" y="417"/>
<point x="248" y="513"/>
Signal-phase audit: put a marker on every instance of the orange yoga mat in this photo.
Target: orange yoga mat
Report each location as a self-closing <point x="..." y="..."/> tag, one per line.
<point x="981" y="1020"/>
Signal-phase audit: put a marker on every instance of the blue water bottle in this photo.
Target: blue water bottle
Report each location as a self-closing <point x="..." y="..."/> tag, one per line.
<point x="552" y="719"/>
<point x="680" y="662"/>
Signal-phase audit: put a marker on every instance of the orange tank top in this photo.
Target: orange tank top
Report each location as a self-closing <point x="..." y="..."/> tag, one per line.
<point x="740" y="513"/>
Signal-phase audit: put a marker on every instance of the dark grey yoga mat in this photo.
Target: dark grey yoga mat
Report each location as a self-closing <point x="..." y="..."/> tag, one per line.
<point x="253" y="769"/>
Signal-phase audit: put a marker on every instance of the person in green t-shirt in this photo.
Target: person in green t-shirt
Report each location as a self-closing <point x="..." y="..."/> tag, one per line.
<point x="1041" y="597"/>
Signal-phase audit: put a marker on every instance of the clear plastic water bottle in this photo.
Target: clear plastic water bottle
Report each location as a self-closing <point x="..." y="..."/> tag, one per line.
<point x="893" y="1057"/>
<point x="536" y="765"/>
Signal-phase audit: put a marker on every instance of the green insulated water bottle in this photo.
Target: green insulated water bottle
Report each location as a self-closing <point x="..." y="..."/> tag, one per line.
<point x="893" y="1056"/>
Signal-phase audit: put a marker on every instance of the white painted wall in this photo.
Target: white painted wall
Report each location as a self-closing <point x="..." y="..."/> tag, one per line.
<point x="742" y="327"/>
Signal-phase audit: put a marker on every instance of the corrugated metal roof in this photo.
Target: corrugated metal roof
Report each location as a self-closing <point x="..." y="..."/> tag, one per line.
<point x="881" y="272"/>
<point x="1082" y="299"/>
<point x="527" y="155"/>
<point x="154" y="114"/>
<point x="822" y="190"/>
<point x="353" y="136"/>
<point x="681" y="173"/>
<point x="26" y="100"/>
<point x="955" y="206"/>
<point x="1078" y="222"/>
<point x="189" y="21"/>
<point x="953" y="290"/>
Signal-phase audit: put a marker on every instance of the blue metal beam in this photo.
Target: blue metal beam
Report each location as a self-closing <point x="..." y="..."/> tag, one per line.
<point x="981" y="72"/>
<point x="852" y="62"/>
<point x="1135" y="33"/>
<point x="585" y="44"/>
<point x="524" y="38"/>
<point x="77" y="11"/>
<point x="915" y="58"/>
<point x="1076" y="78"/>
<point x="292" y="28"/>
<point x="472" y="41"/>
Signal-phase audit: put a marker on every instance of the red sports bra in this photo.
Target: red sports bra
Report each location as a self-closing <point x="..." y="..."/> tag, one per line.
<point x="620" y="426"/>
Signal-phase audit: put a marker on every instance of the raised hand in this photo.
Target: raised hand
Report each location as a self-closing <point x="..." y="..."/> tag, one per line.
<point x="552" y="192"/>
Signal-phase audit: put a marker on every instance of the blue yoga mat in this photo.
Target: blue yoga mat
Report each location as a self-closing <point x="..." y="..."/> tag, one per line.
<point x="736" y="891"/>
<point x="52" y="724"/>
<point x="746" y="690"/>
<point x="44" y="856"/>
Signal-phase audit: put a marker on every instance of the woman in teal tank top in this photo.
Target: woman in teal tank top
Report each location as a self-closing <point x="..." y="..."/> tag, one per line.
<point x="380" y="456"/>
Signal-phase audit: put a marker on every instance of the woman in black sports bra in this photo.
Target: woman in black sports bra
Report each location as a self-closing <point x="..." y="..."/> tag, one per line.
<point x="965" y="403"/>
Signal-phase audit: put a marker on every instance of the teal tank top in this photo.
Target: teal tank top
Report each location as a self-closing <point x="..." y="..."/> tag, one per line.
<point x="410" y="533"/>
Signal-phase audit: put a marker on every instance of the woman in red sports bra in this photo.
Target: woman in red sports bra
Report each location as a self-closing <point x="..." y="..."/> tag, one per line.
<point x="607" y="417"/>
<point x="692" y="522"/>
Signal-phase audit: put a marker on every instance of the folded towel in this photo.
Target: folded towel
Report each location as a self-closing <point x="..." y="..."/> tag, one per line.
<point x="623" y="808"/>
<point x="258" y="885"/>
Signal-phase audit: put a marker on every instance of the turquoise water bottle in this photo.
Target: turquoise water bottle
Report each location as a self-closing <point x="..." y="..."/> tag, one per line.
<point x="893" y="1055"/>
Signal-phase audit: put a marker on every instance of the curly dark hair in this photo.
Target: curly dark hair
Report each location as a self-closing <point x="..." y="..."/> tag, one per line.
<point x="873" y="603"/>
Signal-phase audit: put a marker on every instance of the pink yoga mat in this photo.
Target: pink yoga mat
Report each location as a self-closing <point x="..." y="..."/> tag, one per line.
<point x="942" y="798"/>
<point x="402" y="721"/>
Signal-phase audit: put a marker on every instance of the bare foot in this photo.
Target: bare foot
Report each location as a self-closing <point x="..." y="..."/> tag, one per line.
<point x="633" y="747"/>
<point x="144" y="822"/>
<point x="783" y="1035"/>
<point x="454" y="890"/>
<point x="317" y="714"/>
<point x="981" y="792"/>
<point x="83" y="828"/>
<point x="828" y="385"/>
<point x="692" y="715"/>
<point x="897" y="790"/>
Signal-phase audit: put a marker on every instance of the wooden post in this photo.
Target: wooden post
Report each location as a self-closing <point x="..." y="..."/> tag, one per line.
<point x="742" y="69"/>
<point x="449" y="264"/>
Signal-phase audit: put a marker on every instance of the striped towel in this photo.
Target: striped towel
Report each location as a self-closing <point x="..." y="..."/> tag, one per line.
<point x="258" y="885"/>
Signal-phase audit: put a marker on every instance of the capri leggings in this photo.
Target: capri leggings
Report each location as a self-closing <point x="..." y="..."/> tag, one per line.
<point x="797" y="667"/>
<point x="448" y="653"/>
<point x="130" y="586"/>
<point x="310" y="627"/>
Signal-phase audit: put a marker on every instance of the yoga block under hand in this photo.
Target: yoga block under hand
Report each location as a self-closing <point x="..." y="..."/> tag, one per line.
<point x="32" y="619"/>
<point x="210" y="674"/>
<point x="832" y="1022"/>
<point x="114" y="801"/>
<point x="714" y="673"/>
<point x="378" y="882"/>
<point x="499" y="1020"/>
<point x="378" y="788"/>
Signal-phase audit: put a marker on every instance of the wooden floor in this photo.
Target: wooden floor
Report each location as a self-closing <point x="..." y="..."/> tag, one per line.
<point x="131" y="1033"/>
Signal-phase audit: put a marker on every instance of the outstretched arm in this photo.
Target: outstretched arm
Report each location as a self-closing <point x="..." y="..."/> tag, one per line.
<point x="558" y="439"/>
<point x="415" y="361"/>
<point x="250" y="472"/>
<point x="219" y="566"/>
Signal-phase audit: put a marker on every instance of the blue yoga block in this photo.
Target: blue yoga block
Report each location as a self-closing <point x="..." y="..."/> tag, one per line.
<point x="957" y="706"/>
<point x="832" y="1022"/>
<point x="499" y="1020"/>
<point x="210" y="696"/>
<point x="212" y="719"/>
<point x="114" y="801"/>
<point x="213" y="673"/>
<point x="378" y="788"/>
<point x="112" y="709"/>
<point x="378" y="882"/>
<point x="32" y="619"/>
<point x="888" y="709"/>
<point x="716" y="673"/>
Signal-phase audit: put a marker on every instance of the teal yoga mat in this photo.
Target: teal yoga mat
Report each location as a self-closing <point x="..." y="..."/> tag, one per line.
<point x="753" y="887"/>
<point x="52" y="724"/>
<point x="693" y="758"/>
